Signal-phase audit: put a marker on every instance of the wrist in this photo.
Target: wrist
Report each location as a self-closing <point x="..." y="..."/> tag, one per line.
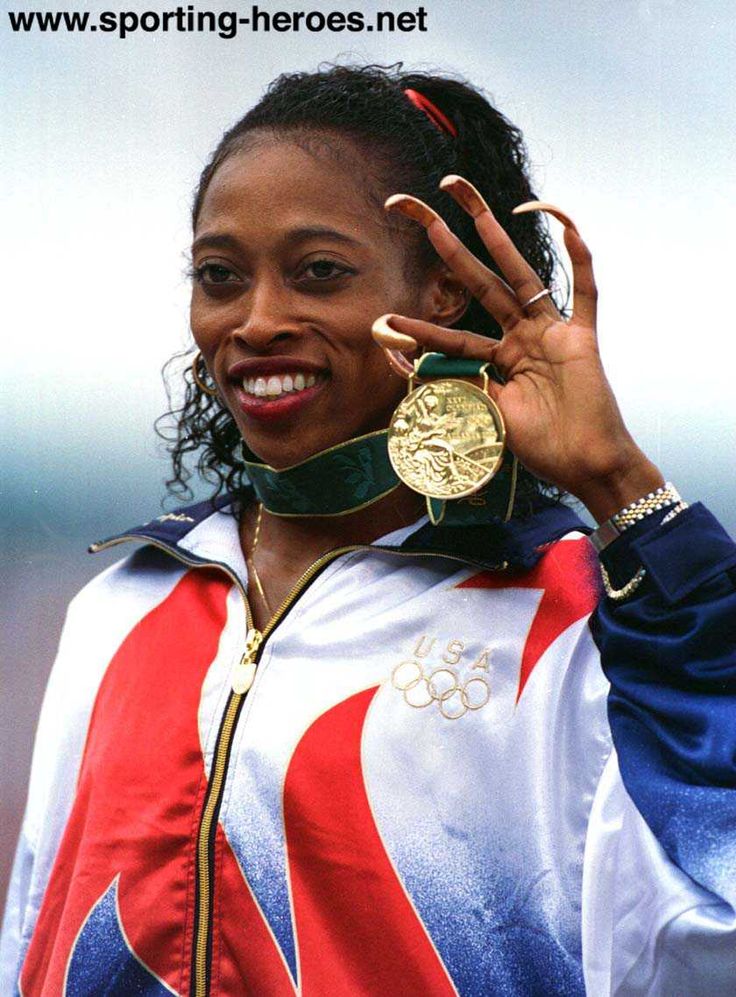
<point x="605" y="496"/>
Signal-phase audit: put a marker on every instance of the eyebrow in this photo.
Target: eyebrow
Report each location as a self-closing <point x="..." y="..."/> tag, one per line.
<point x="214" y="241"/>
<point x="322" y="231"/>
<point x="225" y="241"/>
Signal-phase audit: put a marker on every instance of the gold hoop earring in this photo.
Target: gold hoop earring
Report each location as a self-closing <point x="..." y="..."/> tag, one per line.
<point x="198" y="377"/>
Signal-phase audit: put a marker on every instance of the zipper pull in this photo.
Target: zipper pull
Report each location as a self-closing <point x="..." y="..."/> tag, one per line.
<point x="244" y="672"/>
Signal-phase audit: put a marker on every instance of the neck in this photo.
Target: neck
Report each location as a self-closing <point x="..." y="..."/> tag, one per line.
<point x="305" y="538"/>
<point x="287" y="547"/>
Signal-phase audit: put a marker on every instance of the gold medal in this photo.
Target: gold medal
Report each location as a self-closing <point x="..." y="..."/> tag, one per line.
<point x="446" y="439"/>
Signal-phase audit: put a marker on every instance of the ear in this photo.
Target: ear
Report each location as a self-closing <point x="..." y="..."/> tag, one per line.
<point x="444" y="299"/>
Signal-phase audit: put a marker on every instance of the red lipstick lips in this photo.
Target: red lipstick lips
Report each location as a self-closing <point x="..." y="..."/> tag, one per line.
<point x="270" y="389"/>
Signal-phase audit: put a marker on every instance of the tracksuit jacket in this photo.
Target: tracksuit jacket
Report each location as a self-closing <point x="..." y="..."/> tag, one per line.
<point x="458" y="770"/>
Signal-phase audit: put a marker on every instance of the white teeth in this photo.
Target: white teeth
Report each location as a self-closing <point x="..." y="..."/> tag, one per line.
<point x="276" y="385"/>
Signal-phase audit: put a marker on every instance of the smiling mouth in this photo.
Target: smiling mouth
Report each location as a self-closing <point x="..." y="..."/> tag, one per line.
<point x="275" y="397"/>
<point x="278" y="385"/>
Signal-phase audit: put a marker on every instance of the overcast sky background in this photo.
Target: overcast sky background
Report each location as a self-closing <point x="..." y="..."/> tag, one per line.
<point x="628" y="108"/>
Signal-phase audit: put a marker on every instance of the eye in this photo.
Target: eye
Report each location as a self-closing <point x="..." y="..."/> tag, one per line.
<point x="215" y="273"/>
<point x="323" y="269"/>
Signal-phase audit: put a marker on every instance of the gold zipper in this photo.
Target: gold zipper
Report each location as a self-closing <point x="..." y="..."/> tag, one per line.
<point x="204" y="870"/>
<point x="242" y="678"/>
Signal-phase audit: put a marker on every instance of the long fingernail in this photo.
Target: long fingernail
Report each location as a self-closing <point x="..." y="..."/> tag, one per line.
<point x="389" y="338"/>
<point x="463" y="191"/>
<point x="522" y="209"/>
<point x="399" y="364"/>
<point x="413" y="208"/>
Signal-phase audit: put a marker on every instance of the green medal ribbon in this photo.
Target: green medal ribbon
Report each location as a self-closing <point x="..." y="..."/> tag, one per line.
<point x="494" y="502"/>
<point x="336" y="481"/>
<point x="431" y="365"/>
<point x="358" y="472"/>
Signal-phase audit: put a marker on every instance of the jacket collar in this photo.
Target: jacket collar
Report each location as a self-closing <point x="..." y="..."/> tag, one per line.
<point x="517" y="544"/>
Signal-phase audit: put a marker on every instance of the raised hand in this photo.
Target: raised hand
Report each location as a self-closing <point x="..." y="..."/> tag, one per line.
<point x="562" y="419"/>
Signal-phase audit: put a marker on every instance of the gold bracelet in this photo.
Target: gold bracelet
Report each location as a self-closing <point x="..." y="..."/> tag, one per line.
<point x="663" y="498"/>
<point x="623" y="593"/>
<point x="674" y="511"/>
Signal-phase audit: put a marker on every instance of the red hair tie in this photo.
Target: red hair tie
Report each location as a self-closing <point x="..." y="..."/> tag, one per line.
<point x="432" y="111"/>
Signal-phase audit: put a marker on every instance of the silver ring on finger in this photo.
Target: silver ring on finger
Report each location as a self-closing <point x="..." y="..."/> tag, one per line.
<point x="537" y="297"/>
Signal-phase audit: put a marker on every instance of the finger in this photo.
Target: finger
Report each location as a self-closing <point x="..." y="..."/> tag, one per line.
<point x="490" y="290"/>
<point x="585" y="293"/>
<point x="527" y="206"/>
<point x="385" y="336"/>
<point x="453" y="342"/>
<point x="394" y="345"/>
<point x="523" y="280"/>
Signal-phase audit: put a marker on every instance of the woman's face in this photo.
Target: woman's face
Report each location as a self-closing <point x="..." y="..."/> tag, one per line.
<point x="292" y="265"/>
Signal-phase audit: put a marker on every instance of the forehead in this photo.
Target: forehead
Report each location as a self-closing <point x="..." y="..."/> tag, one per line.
<point x="281" y="183"/>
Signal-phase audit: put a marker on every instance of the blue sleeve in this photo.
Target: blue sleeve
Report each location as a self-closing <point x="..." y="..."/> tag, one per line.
<point x="669" y="653"/>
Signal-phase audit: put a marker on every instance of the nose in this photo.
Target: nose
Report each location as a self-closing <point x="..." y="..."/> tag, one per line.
<point x="268" y="317"/>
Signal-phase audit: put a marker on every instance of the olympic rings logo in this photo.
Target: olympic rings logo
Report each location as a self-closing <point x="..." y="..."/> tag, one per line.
<point x="442" y="686"/>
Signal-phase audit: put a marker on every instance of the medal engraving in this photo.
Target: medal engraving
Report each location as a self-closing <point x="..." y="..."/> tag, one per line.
<point x="446" y="439"/>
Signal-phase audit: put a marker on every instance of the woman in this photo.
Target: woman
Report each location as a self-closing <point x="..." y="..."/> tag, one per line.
<point x="309" y="738"/>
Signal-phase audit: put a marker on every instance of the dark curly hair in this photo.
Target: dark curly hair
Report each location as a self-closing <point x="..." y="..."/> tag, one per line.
<point x="404" y="150"/>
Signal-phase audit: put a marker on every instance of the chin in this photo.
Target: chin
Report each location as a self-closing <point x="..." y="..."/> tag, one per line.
<point x="280" y="453"/>
<point x="291" y="442"/>
<point x="292" y="447"/>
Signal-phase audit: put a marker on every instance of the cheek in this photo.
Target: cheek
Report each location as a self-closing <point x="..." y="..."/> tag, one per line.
<point x="208" y="320"/>
<point x="381" y="388"/>
<point x="197" y="318"/>
<point x="364" y="368"/>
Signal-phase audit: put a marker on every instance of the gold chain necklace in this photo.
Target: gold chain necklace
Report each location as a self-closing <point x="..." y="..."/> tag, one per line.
<point x="250" y="560"/>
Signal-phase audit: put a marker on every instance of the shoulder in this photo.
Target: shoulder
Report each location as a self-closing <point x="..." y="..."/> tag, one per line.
<point x="569" y="564"/>
<point x="162" y="551"/>
<point x="103" y="612"/>
<point x="142" y="574"/>
<point x="98" y="620"/>
<point x="520" y="544"/>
